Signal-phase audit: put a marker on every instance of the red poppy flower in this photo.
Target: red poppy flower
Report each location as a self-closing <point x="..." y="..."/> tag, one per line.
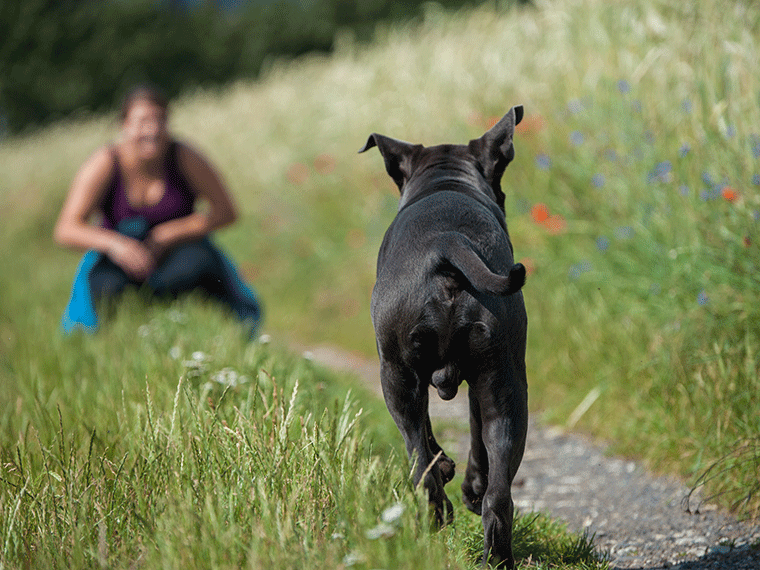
<point x="297" y="174"/>
<point x="540" y="213"/>
<point x="555" y="224"/>
<point x="531" y="124"/>
<point x="730" y="194"/>
<point x="324" y="164"/>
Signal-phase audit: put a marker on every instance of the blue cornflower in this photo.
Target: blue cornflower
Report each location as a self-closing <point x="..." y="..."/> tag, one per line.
<point x="636" y="106"/>
<point x="684" y="150"/>
<point x="575" y="106"/>
<point x="578" y="269"/>
<point x="624" y="232"/>
<point x="598" y="180"/>
<point x="756" y="179"/>
<point x="623" y="86"/>
<point x="711" y="193"/>
<point x="704" y="195"/>
<point x="602" y="243"/>
<point x="576" y="137"/>
<point x="684" y="190"/>
<point x="707" y="179"/>
<point x="702" y="298"/>
<point x="612" y="155"/>
<point x="661" y="172"/>
<point x="755" y="140"/>
<point x="543" y="162"/>
<point x="730" y="131"/>
<point x="686" y="105"/>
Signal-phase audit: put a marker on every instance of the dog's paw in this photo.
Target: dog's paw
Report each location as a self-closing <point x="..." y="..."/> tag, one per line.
<point x="473" y="503"/>
<point x="471" y="498"/>
<point x="447" y="468"/>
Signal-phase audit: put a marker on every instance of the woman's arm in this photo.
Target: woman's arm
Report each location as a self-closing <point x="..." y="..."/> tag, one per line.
<point x="74" y="230"/>
<point x="209" y="186"/>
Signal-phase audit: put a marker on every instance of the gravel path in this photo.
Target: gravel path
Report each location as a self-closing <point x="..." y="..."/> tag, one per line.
<point x="637" y="519"/>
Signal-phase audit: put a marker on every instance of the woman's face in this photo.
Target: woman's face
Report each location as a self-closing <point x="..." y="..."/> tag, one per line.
<point x="144" y="128"/>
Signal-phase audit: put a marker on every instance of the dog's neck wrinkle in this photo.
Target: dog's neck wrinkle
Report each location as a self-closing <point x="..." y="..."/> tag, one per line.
<point x="451" y="177"/>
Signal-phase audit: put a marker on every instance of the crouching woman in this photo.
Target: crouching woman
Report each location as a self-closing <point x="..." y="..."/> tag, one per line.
<point x="145" y="187"/>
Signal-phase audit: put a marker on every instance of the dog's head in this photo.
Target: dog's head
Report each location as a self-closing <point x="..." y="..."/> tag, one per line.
<point x="489" y="154"/>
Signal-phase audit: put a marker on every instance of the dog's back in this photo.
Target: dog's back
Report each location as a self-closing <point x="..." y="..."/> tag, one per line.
<point x="451" y="321"/>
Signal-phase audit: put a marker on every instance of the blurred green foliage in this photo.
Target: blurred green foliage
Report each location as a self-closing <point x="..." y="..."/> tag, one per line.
<point x="59" y="57"/>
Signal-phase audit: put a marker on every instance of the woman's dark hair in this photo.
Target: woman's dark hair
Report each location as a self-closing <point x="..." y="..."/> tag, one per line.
<point x="143" y="93"/>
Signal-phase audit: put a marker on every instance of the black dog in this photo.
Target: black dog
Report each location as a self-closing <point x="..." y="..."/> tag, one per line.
<point x="446" y="307"/>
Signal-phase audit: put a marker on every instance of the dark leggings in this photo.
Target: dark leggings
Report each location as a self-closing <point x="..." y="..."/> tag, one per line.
<point x="187" y="267"/>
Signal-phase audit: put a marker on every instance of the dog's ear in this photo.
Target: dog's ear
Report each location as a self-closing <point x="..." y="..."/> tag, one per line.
<point x="494" y="150"/>
<point x="397" y="155"/>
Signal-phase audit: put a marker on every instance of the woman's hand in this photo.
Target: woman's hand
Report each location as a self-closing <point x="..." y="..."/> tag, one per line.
<point x="137" y="261"/>
<point x="158" y="242"/>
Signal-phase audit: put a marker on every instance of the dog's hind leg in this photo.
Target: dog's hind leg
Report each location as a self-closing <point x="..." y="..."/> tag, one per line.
<point x="407" y="401"/>
<point x="504" y="419"/>
<point x="476" y="475"/>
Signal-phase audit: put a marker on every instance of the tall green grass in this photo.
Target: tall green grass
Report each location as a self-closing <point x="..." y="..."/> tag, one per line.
<point x="640" y="142"/>
<point x="169" y="441"/>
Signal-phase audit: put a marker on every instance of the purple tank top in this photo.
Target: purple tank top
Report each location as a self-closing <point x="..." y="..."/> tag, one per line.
<point x="178" y="199"/>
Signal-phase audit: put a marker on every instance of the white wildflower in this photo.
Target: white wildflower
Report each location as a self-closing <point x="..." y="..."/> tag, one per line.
<point x="380" y="531"/>
<point x="197" y="365"/>
<point x="392" y="515"/>
<point x="353" y="558"/>
<point x="229" y="377"/>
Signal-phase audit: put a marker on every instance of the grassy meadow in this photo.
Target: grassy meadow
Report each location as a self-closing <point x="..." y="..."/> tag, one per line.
<point x="634" y="199"/>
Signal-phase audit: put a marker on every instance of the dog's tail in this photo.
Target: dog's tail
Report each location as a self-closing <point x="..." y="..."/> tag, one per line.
<point x="459" y="251"/>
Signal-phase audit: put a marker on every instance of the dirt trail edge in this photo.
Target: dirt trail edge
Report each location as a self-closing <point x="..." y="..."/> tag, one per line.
<point x="638" y="520"/>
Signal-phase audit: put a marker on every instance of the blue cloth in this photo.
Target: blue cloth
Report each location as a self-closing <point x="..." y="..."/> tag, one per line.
<point x="81" y="314"/>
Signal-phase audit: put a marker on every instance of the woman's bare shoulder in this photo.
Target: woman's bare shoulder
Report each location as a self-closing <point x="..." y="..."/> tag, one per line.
<point x="96" y="171"/>
<point x="102" y="161"/>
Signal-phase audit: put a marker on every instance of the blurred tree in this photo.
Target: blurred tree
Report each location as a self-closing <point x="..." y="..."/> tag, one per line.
<point x="59" y="57"/>
<point x="64" y="56"/>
